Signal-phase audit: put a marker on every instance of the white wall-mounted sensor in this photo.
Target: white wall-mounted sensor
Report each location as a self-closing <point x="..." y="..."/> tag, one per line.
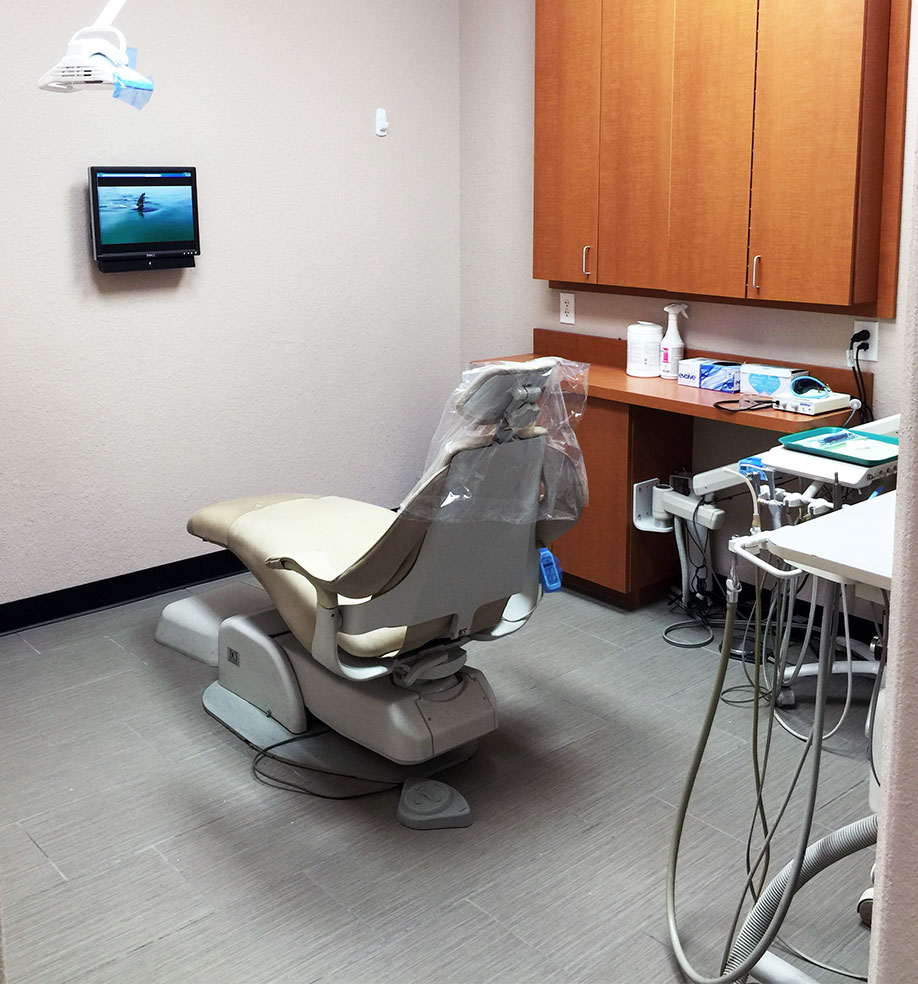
<point x="382" y="124"/>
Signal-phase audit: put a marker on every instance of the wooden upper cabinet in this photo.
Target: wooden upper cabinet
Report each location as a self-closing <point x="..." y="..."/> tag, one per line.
<point x="818" y="159"/>
<point x="634" y="148"/>
<point x="713" y="82"/>
<point x="722" y="148"/>
<point x="566" y="173"/>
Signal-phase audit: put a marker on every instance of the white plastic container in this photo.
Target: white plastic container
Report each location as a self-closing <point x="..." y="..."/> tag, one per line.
<point x="644" y="349"/>
<point x="672" y="348"/>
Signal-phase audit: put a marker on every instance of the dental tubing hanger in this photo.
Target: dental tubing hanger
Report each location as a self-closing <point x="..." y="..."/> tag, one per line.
<point x="672" y="348"/>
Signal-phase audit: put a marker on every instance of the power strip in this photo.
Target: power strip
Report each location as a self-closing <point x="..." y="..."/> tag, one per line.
<point x="812" y="405"/>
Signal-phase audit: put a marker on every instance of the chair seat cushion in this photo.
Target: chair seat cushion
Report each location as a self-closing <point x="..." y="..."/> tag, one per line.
<point x="335" y="531"/>
<point x="341" y="529"/>
<point x="212" y="523"/>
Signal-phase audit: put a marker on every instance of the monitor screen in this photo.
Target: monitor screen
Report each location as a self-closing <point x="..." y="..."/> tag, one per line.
<point x="143" y="212"/>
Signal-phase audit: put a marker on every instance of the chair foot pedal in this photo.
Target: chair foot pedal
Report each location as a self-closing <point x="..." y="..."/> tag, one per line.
<point x="428" y="804"/>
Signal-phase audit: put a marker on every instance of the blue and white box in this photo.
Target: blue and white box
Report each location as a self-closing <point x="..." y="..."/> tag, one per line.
<point x="767" y="381"/>
<point x="690" y="371"/>
<point x="721" y="376"/>
<point x="710" y="374"/>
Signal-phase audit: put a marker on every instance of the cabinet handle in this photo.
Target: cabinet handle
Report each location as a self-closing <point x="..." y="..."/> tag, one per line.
<point x="586" y="272"/>
<point x="755" y="272"/>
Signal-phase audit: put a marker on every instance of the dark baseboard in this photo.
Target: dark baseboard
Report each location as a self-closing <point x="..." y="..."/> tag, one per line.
<point x="117" y="590"/>
<point x="629" y="601"/>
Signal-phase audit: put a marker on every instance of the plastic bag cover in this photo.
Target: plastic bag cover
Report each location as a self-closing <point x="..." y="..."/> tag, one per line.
<point x="497" y="402"/>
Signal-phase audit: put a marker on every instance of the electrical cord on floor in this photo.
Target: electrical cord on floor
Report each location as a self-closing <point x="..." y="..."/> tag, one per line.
<point x="691" y="623"/>
<point x="693" y="599"/>
<point x="269" y="780"/>
<point x="698" y="618"/>
<point x="742" y="689"/>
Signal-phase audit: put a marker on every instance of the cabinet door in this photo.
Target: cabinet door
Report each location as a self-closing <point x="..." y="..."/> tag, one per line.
<point x="637" y="44"/>
<point x="807" y="141"/>
<point x="566" y="172"/>
<point x="596" y="549"/>
<point x="713" y="98"/>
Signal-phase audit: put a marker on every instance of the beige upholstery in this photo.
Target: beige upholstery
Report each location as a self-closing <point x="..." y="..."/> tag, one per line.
<point x="348" y="542"/>
<point x="212" y="523"/>
<point x="446" y="563"/>
<point x="335" y="531"/>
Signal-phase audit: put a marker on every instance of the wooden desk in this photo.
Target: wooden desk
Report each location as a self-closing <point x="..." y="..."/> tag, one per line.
<point x="635" y="429"/>
<point x="609" y="381"/>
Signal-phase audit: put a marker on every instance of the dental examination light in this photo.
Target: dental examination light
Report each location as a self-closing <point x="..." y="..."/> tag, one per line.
<point x="98" y="55"/>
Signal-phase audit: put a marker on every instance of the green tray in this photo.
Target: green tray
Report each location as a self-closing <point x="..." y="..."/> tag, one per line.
<point x="858" y="448"/>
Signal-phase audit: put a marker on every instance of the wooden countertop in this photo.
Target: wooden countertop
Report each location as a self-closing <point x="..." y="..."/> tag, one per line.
<point x="613" y="383"/>
<point x="609" y="381"/>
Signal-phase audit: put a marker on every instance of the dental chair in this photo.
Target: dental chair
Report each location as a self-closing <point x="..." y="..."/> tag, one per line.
<point x="356" y="639"/>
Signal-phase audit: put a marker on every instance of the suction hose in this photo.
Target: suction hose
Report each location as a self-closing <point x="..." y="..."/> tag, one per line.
<point x="833" y="847"/>
<point x="761" y="934"/>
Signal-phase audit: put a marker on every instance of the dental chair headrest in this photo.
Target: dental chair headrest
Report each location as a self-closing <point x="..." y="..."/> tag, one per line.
<point x="506" y="394"/>
<point x="499" y="403"/>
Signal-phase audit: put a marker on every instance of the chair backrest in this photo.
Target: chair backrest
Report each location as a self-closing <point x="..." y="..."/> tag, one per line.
<point x="467" y="537"/>
<point x="467" y="559"/>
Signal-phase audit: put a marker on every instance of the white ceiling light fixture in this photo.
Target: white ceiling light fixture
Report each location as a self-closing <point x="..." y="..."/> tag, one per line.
<point x="98" y="56"/>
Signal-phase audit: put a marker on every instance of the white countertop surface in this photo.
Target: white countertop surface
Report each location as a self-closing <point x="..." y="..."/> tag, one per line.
<point x="853" y="545"/>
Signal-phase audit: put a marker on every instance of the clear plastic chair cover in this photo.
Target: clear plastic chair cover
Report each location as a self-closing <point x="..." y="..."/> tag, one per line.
<point x="494" y="404"/>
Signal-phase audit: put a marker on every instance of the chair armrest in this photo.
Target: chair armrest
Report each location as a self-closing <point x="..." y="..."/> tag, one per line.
<point x="321" y="573"/>
<point x="318" y="568"/>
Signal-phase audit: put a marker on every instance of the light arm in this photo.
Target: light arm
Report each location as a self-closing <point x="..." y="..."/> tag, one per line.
<point x="109" y="12"/>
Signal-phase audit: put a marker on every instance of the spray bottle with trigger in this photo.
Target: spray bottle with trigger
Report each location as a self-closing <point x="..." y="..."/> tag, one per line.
<point x="672" y="347"/>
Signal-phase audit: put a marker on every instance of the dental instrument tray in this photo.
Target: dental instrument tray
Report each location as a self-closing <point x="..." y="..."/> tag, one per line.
<point x="844" y="445"/>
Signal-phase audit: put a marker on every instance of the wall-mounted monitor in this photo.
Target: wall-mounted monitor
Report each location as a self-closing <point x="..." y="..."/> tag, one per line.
<point x="144" y="218"/>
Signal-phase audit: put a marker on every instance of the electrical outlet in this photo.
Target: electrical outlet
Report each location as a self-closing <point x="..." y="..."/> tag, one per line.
<point x="869" y="354"/>
<point x="567" y="308"/>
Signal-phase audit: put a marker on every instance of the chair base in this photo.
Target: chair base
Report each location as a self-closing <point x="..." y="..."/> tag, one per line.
<point x="269" y="689"/>
<point x="191" y="625"/>
<point x="320" y="749"/>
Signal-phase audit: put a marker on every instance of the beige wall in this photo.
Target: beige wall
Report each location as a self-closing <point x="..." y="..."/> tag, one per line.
<point x="312" y="347"/>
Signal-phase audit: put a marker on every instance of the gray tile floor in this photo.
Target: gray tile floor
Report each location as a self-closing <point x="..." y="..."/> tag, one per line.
<point x="135" y="845"/>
